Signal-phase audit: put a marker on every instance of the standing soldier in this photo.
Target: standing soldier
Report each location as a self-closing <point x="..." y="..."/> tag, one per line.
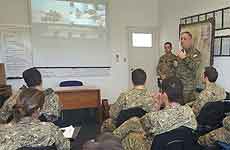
<point x="188" y="61"/>
<point x="166" y="61"/>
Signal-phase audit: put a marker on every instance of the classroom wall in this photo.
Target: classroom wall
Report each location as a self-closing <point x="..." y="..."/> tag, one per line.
<point x="137" y="13"/>
<point x="170" y="13"/>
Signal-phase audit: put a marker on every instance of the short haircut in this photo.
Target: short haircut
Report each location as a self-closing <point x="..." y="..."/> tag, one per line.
<point x="173" y="87"/>
<point x="211" y="73"/>
<point x="168" y="43"/>
<point x="32" y="77"/>
<point x="138" y="77"/>
<point x="188" y="33"/>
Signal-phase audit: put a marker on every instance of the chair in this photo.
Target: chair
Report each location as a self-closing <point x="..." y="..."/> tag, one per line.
<point x="223" y="146"/>
<point x="211" y="116"/>
<point x="125" y="115"/>
<point x="70" y="83"/>
<point x="182" y="138"/>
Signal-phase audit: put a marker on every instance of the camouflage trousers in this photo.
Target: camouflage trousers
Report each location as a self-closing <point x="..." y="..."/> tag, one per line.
<point x="136" y="141"/>
<point x="220" y="134"/>
<point x="189" y="92"/>
<point x="189" y="96"/>
<point x="132" y="135"/>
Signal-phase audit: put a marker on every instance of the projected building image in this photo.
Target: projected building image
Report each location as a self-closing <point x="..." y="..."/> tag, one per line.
<point x="69" y="13"/>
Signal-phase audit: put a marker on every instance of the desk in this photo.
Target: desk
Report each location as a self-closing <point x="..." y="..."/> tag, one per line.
<point x="80" y="97"/>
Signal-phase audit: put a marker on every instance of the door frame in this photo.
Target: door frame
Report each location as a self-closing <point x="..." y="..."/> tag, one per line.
<point x="155" y="45"/>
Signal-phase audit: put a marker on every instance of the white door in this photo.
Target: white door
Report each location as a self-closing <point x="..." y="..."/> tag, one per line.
<point x="143" y="53"/>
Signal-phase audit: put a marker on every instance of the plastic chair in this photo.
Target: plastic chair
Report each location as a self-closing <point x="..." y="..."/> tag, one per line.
<point x="70" y="83"/>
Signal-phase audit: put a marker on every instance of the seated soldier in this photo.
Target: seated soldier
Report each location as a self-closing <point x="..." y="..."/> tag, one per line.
<point x="26" y="130"/>
<point x="136" y="97"/>
<point x="212" y="91"/>
<point x="137" y="132"/>
<point x="221" y="134"/>
<point x="51" y="108"/>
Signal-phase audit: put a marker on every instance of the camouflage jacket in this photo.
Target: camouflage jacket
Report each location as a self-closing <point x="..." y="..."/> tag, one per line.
<point x="133" y="98"/>
<point x="51" y="105"/>
<point x="168" y="60"/>
<point x="186" y="68"/>
<point x="32" y="133"/>
<point x="221" y="134"/>
<point x="159" y="122"/>
<point x="211" y="93"/>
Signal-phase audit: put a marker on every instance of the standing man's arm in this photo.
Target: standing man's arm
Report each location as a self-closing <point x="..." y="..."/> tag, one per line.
<point x="194" y="61"/>
<point x="158" y="66"/>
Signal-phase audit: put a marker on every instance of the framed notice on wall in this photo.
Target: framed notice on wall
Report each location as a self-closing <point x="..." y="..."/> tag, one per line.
<point x="15" y="49"/>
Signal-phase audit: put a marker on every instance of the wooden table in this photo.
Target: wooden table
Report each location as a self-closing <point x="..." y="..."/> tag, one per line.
<point x="80" y="97"/>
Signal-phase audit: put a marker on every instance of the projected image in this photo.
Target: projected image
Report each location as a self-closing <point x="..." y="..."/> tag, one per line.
<point x="68" y="12"/>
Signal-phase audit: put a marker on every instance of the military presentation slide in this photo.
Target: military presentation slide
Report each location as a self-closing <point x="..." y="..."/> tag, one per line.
<point x="68" y="13"/>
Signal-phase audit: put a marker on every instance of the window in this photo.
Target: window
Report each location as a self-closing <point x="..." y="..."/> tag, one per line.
<point x="142" y="40"/>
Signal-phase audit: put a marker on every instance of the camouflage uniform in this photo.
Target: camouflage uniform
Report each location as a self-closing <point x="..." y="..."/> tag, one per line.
<point x="166" y="64"/>
<point x="221" y="134"/>
<point x="51" y="105"/>
<point x="155" y="123"/>
<point x="32" y="133"/>
<point x="133" y="98"/>
<point x="186" y="70"/>
<point x="211" y="93"/>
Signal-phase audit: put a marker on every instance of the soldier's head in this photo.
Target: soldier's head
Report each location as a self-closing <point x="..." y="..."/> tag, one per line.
<point x="168" y="47"/>
<point x="32" y="77"/>
<point x="186" y="40"/>
<point x="172" y="89"/>
<point x="138" y="77"/>
<point x="109" y="141"/>
<point x="29" y="103"/>
<point x="210" y="74"/>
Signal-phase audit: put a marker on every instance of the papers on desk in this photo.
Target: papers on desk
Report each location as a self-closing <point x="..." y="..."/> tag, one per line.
<point x="70" y="131"/>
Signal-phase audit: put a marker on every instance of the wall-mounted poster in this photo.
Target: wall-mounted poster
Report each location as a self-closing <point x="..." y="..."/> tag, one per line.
<point x="203" y="39"/>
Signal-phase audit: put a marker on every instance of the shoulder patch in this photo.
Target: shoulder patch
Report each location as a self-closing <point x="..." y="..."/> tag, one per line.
<point x="195" y="55"/>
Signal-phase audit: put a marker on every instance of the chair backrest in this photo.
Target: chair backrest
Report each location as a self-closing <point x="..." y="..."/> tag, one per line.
<point x="70" y="83"/>
<point x="129" y="113"/>
<point x="182" y="138"/>
<point x="223" y="146"/>
<point x="211" y="116"/>
<point x="213" y="113"/>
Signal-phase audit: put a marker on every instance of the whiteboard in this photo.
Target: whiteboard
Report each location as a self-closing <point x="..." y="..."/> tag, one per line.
<point x="18" y="54"/>
<point x="60" y="46"/>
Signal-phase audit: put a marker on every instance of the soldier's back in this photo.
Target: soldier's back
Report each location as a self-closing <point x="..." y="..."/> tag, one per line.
<point x="32" y="133"/>
<point x="211" y="93"/>
<point x="138" y="98"/>
<point x="168" y="119"/>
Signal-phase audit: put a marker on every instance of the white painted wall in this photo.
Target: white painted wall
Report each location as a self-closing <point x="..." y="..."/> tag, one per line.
<point x="170" y="13"/>
<point x="123" y="13"/>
